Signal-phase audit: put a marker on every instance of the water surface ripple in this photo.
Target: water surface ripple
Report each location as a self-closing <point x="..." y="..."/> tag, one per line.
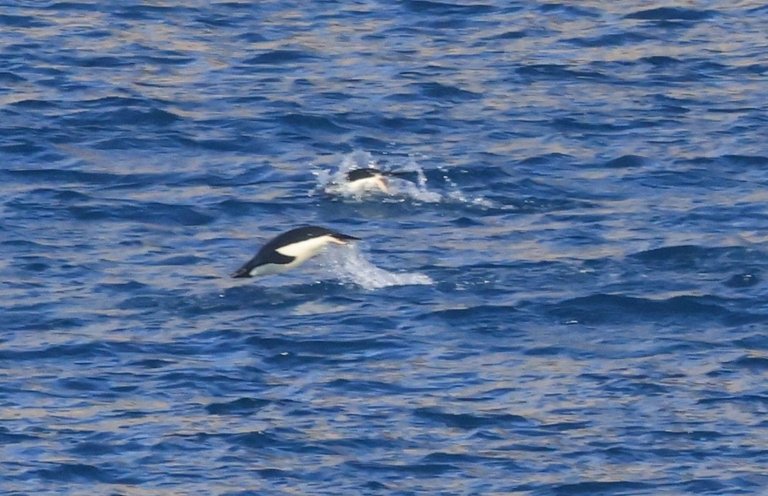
<point x="566" y="298"/>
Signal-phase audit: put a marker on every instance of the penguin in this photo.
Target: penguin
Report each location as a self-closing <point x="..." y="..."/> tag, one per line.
<point x="291" y="249"/>
<point x="369" y="179"/>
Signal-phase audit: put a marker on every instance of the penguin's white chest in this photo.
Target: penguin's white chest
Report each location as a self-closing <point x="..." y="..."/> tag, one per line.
<point x="368" y="184"/>
<point x="304" y="250"/>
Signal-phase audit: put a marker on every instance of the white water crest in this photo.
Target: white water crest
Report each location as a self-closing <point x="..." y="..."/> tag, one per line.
<point x="349" y="266"/>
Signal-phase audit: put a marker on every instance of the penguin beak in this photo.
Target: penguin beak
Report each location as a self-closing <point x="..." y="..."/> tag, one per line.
<point x="343" y="239"/>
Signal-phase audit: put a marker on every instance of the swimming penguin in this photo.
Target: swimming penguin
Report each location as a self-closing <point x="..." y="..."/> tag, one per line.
<point x="370" y="179"/>
<point x="290" y="250"/>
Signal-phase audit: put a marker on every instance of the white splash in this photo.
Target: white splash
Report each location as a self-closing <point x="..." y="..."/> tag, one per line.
<point x="455" y="194"/>
<point x="348" y="265"/>
<point x="335" y="182"/>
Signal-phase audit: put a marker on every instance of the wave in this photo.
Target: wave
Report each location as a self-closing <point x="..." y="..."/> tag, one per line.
<point x="608" y="308"/>
<point x="672" y="13"/>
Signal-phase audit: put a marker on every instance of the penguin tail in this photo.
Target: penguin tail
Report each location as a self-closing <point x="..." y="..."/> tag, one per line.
<point x="242" y="272"/>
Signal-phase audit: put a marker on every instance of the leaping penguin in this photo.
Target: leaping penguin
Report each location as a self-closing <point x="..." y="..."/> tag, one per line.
<point x="291" y="249"/>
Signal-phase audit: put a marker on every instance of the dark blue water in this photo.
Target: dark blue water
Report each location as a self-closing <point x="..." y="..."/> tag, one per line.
<point x="568" y="298"/>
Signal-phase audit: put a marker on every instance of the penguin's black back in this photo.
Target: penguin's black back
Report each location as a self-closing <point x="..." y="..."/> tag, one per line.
<point x="357" y="174"/>
<point x="300" y="234"/>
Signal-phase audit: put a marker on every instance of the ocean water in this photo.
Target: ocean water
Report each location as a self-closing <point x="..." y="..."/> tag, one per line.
<point x="564" y="295"/>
